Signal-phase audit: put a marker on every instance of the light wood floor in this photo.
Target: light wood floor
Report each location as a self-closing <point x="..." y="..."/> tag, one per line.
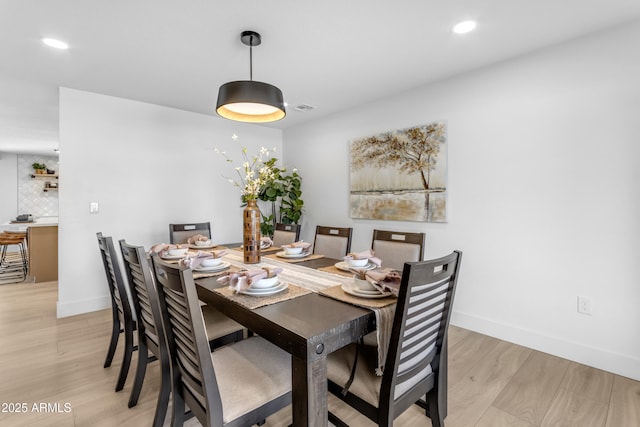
<point x="492" y="383"/>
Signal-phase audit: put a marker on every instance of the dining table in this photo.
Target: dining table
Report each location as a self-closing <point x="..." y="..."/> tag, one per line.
<point x="308" y="325"/>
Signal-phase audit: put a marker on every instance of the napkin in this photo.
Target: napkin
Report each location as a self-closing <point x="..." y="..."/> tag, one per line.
<point x="300" y="244"/>
<point x="362" y="255"/>
<point x="196" y="260"/>
<point x="197" y="238"/>
<point x="266" y="242"/>
<point x="242" y="280"/>
<point x="162" y="248"/>
<point x="385" y="280"/>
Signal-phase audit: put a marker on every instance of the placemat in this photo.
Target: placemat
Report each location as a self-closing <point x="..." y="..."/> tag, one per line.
<point x="253" y="302"/>
<point x="336" y="292"/>
<point x="294" y="260"/>
<point x="335" y="270"/>
<point x="384" y="309"/>
<point x="201" y="275"/>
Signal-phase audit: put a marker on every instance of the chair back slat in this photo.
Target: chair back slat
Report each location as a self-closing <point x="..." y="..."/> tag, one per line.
<point x="420" y="324"/>
<point x="193" y="374"/>
<point x="115" y="282"/>
<point x="142" y="293"/>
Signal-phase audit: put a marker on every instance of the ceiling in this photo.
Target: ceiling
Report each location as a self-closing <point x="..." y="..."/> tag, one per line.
<point x="332" y="54"/>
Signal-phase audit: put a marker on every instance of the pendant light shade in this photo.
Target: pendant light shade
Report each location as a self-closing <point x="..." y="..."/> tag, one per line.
<point x="249" y="100"/>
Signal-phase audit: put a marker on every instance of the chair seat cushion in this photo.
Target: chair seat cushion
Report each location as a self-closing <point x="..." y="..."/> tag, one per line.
<point x="366" y="384"/>
<point x="250" y="373"/>
<point x="217" y="324"/>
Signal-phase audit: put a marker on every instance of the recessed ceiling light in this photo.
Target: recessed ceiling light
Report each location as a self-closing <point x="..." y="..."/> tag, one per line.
<point x="464" y="27"/>
<point x="55" y="43"/>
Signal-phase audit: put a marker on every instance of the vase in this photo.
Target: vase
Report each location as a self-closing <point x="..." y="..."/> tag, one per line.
<point x="251" y="232"/>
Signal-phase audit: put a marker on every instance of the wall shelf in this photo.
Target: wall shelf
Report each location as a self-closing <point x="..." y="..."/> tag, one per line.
<point x="44" y="175"/>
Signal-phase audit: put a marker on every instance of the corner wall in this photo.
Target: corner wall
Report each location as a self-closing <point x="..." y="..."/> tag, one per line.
<point x="147" y="166"/>
<point x="543" y="193"/>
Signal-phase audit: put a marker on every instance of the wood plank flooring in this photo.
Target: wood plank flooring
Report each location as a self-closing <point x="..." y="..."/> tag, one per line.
<point x="52" y="369"/>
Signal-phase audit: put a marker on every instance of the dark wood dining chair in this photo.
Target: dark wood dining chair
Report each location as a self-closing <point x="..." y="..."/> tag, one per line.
<point x="180" y="233"/>
<point x="332" y="242"/>
<point x="286" y="234"/>
<point x="416" y="361"/>
<point x="395" y="248"/>
<point x="238" y="385"/>
<point x="221" y="330"/>
<point x="123" y="320"/>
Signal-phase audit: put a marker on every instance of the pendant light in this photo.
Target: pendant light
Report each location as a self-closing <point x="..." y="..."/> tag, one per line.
<point x="248" y="100"/>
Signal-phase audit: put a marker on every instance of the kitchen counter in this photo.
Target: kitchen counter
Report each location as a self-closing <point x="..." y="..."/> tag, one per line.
<point x="43" y="221"/>
<point x="42" y="244"/>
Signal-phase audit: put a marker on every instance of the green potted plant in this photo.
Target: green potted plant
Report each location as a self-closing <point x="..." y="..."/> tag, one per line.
<point x="40" y="168"/>
<point x="285" y="188"/>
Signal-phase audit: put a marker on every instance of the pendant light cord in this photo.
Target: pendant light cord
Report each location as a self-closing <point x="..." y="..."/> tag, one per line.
<point x="251" y="59"/>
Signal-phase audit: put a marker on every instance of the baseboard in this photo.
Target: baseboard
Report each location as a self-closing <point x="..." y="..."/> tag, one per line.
<point x="71" y="308"/>
<point x="619" y="364"/>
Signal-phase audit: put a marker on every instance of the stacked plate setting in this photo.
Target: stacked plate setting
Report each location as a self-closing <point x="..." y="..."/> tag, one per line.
<point x="269" y="286"/>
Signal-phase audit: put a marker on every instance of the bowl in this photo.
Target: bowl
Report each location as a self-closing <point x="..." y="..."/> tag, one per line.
<point x="357" y="262"/>
<point x="211" y="262"/>
<point x="292" y="251"/>
<point x="202" y="242"/>
<point x="364" y="285"/>
<point x="176" y="252"/>
<point x="265" y="283"/>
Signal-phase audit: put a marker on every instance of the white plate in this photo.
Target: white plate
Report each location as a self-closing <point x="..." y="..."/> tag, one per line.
<point x="218" y="267"/>
<point x="279" y="287"/>
<point x="344" y="266"/>
<point x="265" y="245"/>
<point x="282" y="254"/>
<point x="212" y="245"/>
<point x="365" y="294"/>
<point x="167" y="256"/>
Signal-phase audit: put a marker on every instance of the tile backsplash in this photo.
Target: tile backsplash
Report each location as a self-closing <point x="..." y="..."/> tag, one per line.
<point x="32" y="199"/>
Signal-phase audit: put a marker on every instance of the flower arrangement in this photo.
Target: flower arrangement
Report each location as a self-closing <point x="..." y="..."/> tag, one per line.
<point x="254" y="173"/>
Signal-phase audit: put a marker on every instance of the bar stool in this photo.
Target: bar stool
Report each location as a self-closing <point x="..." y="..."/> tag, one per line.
<point x="7" y="239"/>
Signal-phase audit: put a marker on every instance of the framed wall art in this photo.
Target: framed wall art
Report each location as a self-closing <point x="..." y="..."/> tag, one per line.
<point x="400" y="175"/>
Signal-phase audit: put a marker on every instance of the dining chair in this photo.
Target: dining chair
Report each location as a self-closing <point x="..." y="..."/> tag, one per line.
<point x="332" y="242"/>
<point x="221" y="330"/>
<point x="416" y="361"/>
<point x="180" y="233"/>
<point x="240" y="384"/>
<point x="123" y="318"/>
<point x="285" y="234"/>
<point x="395" y="248"/>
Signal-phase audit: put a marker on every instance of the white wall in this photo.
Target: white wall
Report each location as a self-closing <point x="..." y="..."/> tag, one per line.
<point x="543" y="193"/>
<point x="8" y="187"/>
<point x="147" y="166"/>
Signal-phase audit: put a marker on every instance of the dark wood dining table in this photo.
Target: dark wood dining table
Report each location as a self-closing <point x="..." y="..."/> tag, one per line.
<point x="308" y="327"/>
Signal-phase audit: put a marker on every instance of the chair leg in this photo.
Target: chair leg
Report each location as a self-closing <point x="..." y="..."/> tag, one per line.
<point x="115" y="333"/>
<point x="163" y="394"/>
<point x="141" y="370"/>
<point x="177" y="414"/>
<point x="433" y="410"/>
<point x="126" y="361"/>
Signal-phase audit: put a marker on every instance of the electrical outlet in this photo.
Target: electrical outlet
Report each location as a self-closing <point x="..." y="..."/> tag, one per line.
<point x="585" y="305"/>
<point x="94" y="208"/>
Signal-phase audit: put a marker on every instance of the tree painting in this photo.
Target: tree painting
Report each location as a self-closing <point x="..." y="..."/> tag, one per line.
<point x="400" y="175"/>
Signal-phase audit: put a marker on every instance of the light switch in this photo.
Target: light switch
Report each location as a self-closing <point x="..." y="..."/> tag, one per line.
<point x="94" y="208"/>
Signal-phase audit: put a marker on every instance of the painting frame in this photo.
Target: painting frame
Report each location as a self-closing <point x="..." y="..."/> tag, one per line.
<point x="400" y="175"/>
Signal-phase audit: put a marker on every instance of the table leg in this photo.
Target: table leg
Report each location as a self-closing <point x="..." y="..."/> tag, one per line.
<point x="309" y="391"/>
